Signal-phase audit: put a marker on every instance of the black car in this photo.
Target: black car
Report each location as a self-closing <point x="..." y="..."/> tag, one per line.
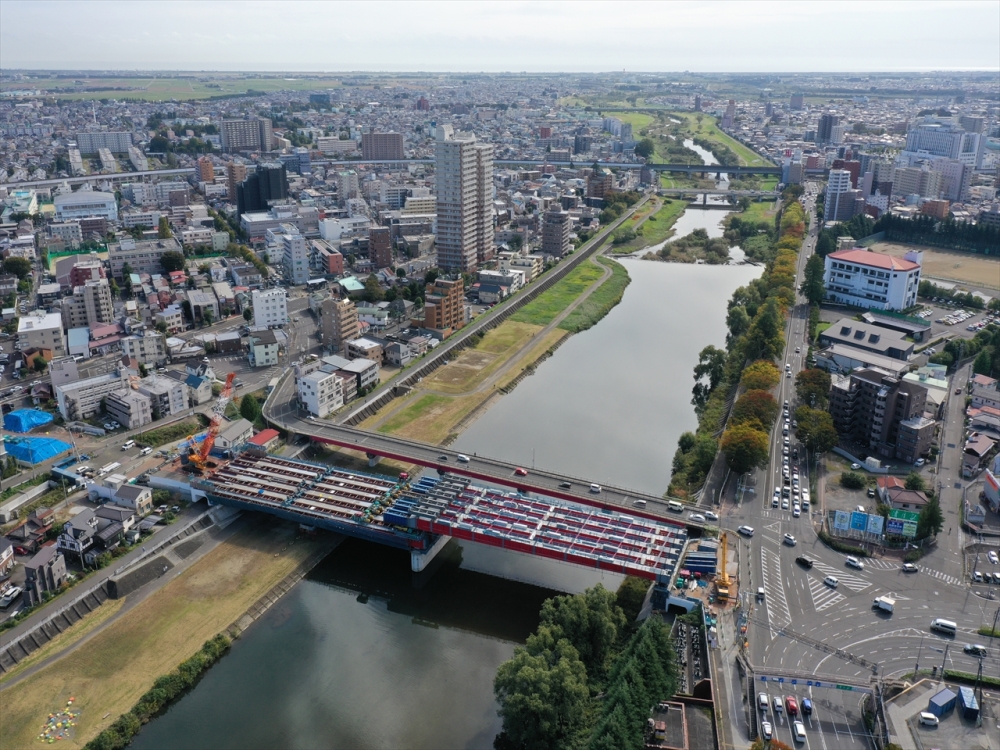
<point x="804" y="561"/>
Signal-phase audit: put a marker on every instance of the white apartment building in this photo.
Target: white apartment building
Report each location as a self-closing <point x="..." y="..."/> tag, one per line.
<point x="863" y="278"/>
<point x="82" y="398"/>
<point x="837" y="188"/>
<point x="464" y="183"/>
<point x="90" y="303"/>
<point x="149" y="349"/>
<point x="168" y="397"/>
<point x="85" y="204"/>
<point x="147" y="219"/>
<point x="67" y="231"/>
<point x="41" y="330"/>
<point x="295" y="258"/>
<point x="320" y="392"/>
<point x="270" y="307"/>
<point x="116" y="142"/>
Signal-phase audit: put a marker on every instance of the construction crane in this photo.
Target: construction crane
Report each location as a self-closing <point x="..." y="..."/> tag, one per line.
<point x="722" y="584"/>
<point x="198" y="455"/>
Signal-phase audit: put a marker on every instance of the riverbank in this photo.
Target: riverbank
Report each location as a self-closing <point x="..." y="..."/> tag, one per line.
<point x="657" y="227"/>
<point x="107" y="672"/>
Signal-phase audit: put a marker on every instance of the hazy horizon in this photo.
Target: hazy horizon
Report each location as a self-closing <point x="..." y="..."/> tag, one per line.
<point x="491" y="37"/>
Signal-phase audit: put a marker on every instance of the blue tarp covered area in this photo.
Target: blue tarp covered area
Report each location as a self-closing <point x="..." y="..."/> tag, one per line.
<point x="35" y="450"/>
<point x="25" y="420"/>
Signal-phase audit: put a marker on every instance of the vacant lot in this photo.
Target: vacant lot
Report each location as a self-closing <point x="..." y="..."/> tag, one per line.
<point x="966" y="268"/>
<point x="110" y="671"/>
<point x="474" y="365"/>
<point x="543" y="309"/>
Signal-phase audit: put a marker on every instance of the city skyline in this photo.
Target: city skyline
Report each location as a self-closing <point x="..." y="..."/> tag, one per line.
<point x="505" y="37"/>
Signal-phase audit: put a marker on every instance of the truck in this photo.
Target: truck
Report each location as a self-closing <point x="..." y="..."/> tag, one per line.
<point x="884" y="603"/>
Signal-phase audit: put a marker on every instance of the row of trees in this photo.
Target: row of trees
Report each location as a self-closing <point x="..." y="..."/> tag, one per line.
<point x="587" y="677"/>
<point x="951" y="234"/>
<point x="858" y="227"/>
<point x="616" y="203"/>
<point x="984" y="346"/>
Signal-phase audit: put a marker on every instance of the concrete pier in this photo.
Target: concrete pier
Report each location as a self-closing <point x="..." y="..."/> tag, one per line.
<point x="421" y="559"/>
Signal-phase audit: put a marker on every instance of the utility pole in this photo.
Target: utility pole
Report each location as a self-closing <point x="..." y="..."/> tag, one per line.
<point x="916" y="668"/>
<point x="945" y="659"/>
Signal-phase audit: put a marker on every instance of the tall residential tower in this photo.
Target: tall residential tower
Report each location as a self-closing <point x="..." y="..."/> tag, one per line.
<point x="464" y="175"/>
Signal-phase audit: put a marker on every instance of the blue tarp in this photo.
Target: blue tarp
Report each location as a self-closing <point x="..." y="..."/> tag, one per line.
<point x="35" y="450"/>
<point x="25" y="420"/>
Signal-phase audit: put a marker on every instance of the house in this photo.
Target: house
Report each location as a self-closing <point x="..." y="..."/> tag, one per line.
<point x="45" y="572"/>
<point x="78" y="534"/>
<point x="6" y="555"/>
<point x="263" y="349"/>
<point x="139" y="500"/>
<point x="30" y="533"/>
<point x="397" y="354"/>
<point x="868" y="338"/>
<point x="364" y="348"/>
<point x="234" y="434"/>
<point x="266" y="440"/>
<point x="983" y="395"/>
<point x="364" y="370"/>
<point x="199" y="389"/>
<point x="977" y="449"/>
<point x="892" y="492"/>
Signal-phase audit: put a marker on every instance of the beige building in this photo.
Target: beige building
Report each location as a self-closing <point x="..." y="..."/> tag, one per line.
<point x="149" y="349"/>
<point x="143" y="256"/>
<point x="464" y="184"/>
<point x="40" y="330"/>
<point x="443" y="306"/>
<point x="340" y="323"/>
<point x="129" y="408"/>
<point x="91" y="303"/>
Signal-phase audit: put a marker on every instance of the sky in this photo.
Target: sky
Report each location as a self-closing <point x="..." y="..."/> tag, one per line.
<point x="535" y="36"/>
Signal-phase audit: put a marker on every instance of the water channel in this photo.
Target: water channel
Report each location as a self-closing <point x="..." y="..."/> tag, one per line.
<point x="363" y="654"/>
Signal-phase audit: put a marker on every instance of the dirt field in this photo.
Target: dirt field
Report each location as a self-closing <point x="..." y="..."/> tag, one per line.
<point x="965" y="268"/>
<point x="472" y="366"/>
<point x="109" y="672"/>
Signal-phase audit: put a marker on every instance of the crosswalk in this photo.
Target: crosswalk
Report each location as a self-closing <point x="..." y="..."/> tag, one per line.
<point x="883" y="564"/>
<point x="846" y="579"/>
<point x="942" y="576"/>
<point x="822" y="595"/>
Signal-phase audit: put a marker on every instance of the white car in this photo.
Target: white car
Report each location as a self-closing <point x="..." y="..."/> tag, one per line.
<point x="765" y="730"/>
<point x="790" y="540"/>
<point x="784" y="503"/>
<point x="746" y="530"/>
<point x="993" y="557"/>
<point x="796" y="510"/>
<point x="853" y="562"/>
<point x="832" y="581"/>
<point x="910" y="568"/>
<point x="696" y="517"/>
<point x="711" y="516"/>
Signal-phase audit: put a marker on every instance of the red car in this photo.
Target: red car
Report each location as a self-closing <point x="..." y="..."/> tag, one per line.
<point x="791" y="706"/>
<point x="521" y="472"/>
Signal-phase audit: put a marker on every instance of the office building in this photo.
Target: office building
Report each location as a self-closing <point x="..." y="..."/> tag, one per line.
<point x="941" y="137"/>
<point x="205" y="169"/>
<point x="81" y="399"/>
<point x="340" y="323"/>
<point x="116" y="142"/>
<point x="252" y="134"/>
<point x="464" y="182"/>
<point x="90" y="304"/>
<point x="41" y="330"/>
<point x="870" y="407"/>
<point x="333" y="145"/>
<point x="863" y="278"/>
<point x="294" y="257"/>
<point x="69" y="232"/>
<point x="555" y="233"/>
<point x="444" y="307"/>
<point x="235" y="174"/>
<point x="85" y="204"/>
<point x="269" y="183"/>
<point x="797" y="102"/>
<point x="824" y="130"/>
<point x="916" y="181"/>
<point x="270" y="307"/>
<point x="142" y="256"/>
<point x="380" y="247"/>
<point x="382" y="146"/>
<point x="972" y="123"/>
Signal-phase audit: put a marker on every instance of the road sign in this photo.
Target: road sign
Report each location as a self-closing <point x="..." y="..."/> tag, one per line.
<point x="904" y="515"/>
<point x="875" y="524"/>
<point x="909" y="529"/>
<point x="841" y="520"/>
<point x="845" y="687"/>
<point x="895" y="526"/>
<point x="859" y="521"/>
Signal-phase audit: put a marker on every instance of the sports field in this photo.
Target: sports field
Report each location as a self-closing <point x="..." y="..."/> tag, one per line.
<point x="950" y="265"/>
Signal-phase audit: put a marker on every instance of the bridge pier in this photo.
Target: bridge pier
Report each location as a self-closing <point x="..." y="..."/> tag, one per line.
<point x="421" y="559"/>
<point x="704" y="199"/>
<point x="373" y="459"/>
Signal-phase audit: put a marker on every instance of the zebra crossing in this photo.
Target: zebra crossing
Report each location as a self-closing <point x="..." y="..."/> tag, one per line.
<point x="943" y="577"/>
<point x="882" y="564"/>
<point x="774" y="592"/>
<point x="822" y="595"/>
<point x="852" y="582"/>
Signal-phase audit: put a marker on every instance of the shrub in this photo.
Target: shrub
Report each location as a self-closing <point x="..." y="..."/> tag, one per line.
<point x="839" y="546"/>
<point x="852" y="480"/>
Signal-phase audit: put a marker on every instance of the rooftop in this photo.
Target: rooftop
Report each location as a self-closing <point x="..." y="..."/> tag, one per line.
<point x="875" y="260"/>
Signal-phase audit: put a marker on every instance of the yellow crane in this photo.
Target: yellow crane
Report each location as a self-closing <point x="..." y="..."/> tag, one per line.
<point x="722" y="580"/>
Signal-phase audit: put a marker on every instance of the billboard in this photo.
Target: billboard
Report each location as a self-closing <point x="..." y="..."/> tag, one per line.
<point x="875" y="524"/>
<point x="841" y="520"/>
<point x="909" y="529"/>
<point x="894" y="526"/>
<point x="859" y="521"/>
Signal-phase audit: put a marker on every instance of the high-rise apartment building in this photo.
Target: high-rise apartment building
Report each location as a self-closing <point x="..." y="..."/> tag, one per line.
<point x="916" y="181"/>
<point x="206" y="170"/>
<point x="347" y="185"/>
<point x="252" y="134"/>
<point x="115" y="142"/>
<point x="295" y="258"/>
<point x="854" y="167"/>
<point x="380" y="247"/>
<point x="270" y="307"/>
<point x="464" y="182"/>
<point x="838" y="196"/>
<point x="555" y="233"/>
<point x="600" y="183"/>
<point x="340" y="323"/>
<point x="235" y="174"/>
<point x="382" y="146"/>
<point x="443" y="304"/>
<point x="797" y="102"/>
<point x="824" y="130"/>
<point x="268" y="183"/>
<point x="89" y="304"/>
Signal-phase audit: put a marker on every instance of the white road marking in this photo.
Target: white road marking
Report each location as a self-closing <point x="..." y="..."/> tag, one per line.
<point x="770" y="564"/>
<point x="822" y="595"/>
<point x="852" y="582"/>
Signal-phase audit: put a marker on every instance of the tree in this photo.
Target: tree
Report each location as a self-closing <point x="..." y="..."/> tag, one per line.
<point x="645" y="148"/>
<point x="143" y="370"/>
<point x="931" y="519"/>
<point x="20" y="267"/>
<point x="745" y="448"/>
<point x="711" y="365"/>
<point x="250" y="408"/>
<point x="737" y="323"/>
<point x="186" y="307"/>
<point x="765" y="339"/>
<point x="757" y="408"/>
<point x="760" y="376"/>
<point x="247" y="314"/>
<point x="401" y="273"/>
<point x="813" y="387"/>
<point x="915" y="482"/>
<point x="161" y="327"/>
<point x="852" y="480"/>
<point x="172" y="261"/>
<point x="207" y="317"/>
<point x="373" y="290"/>
<point x="40" y="363"/>
<point x="812" y="285"/>
<point x="591" y="621"/>
<point x="816" y="430"/>
<point x="825" y="245"/>
<point x="630" y="596"/>
<point x="163" y="229"/>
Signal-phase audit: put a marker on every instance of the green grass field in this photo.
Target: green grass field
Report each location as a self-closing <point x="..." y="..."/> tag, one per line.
<point x="599" y="304"/>
<point x="543" y="309"/>
<point x="656" y="228"/>
<point x="759" y="212"/>
<point x="707" y="129"/>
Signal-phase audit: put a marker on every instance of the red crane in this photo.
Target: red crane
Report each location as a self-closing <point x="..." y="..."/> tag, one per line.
<point x="199" y="456"/>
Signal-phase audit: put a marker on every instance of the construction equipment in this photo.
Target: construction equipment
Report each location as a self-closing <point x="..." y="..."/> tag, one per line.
<point x="722" y="582"/>
<point x="198" y="454"/>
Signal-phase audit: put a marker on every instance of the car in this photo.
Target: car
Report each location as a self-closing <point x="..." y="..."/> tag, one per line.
<point x="860" y="509"/>
<point x="765" y="730"/>
<point x="762" y="701"/>
<point x="774" y="500"/>
<point x="928" y="719"/>
<point x="958" y="391"/>
<point x="790" y="540"/>
<point x="796" y="510"/>
<point x="853" y="562"/>
<point x="711" y="516"/>
<point x="784" y="503"/>
<point x="832" y="581"/>
<point x="521" y="472"/>
<point x="996" y="577"/>
<point x="807" y="706"/>
<point x="788" y="374"/>
<point x="565" y="485"/>
<point x="784" y="450"/>
<point x="745" y="530"/>
<point x="804" y="561"/>
<point x="977" y="577"/>
<point x="871" y="492"/>
<point x="760" y="593"/>
<point x="798" y="349"/>
<point x="696" y="517"/>
<point x="800" y="731"/>
<point x="993" y="557"/>
<point x="909" y="568"/>
<point x="975" y="649"/>
<point x="791" y="706"/>
<point x="107" y="426"/>
<point x="462" y="458"/>
<point x="920" y="462"/>
<point x="442" y="457"/>
<point x="776" y="703"/>
<point x="855" y="466"/>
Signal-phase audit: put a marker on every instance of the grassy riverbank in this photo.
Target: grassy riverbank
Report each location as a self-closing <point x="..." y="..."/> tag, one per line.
<point x="546" y="306"/>
<point x="108" y="672"/>
<point x="599" y="304"/>
<point x="655" y="229"/>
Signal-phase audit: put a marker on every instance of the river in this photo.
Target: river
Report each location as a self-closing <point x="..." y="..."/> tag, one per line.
<point x="363" y="654"/>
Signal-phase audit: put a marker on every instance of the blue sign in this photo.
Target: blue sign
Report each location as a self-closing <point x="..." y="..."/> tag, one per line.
<point x="781" y="679"/>
<point x="809" y="683"/>
<point x="895" y="526"/>
<point x="763" y="679"/>
<point x="795" y="682"/>
<point x="819" y="684"/>
<point x="859" y="521"/>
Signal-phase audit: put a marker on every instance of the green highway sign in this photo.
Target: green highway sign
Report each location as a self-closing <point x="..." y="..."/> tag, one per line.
<point x="845" y="687"/>
<point x="904" y="515"/>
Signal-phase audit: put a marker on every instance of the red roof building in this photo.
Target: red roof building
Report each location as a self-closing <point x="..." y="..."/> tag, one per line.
<point x="266" y="439"/>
